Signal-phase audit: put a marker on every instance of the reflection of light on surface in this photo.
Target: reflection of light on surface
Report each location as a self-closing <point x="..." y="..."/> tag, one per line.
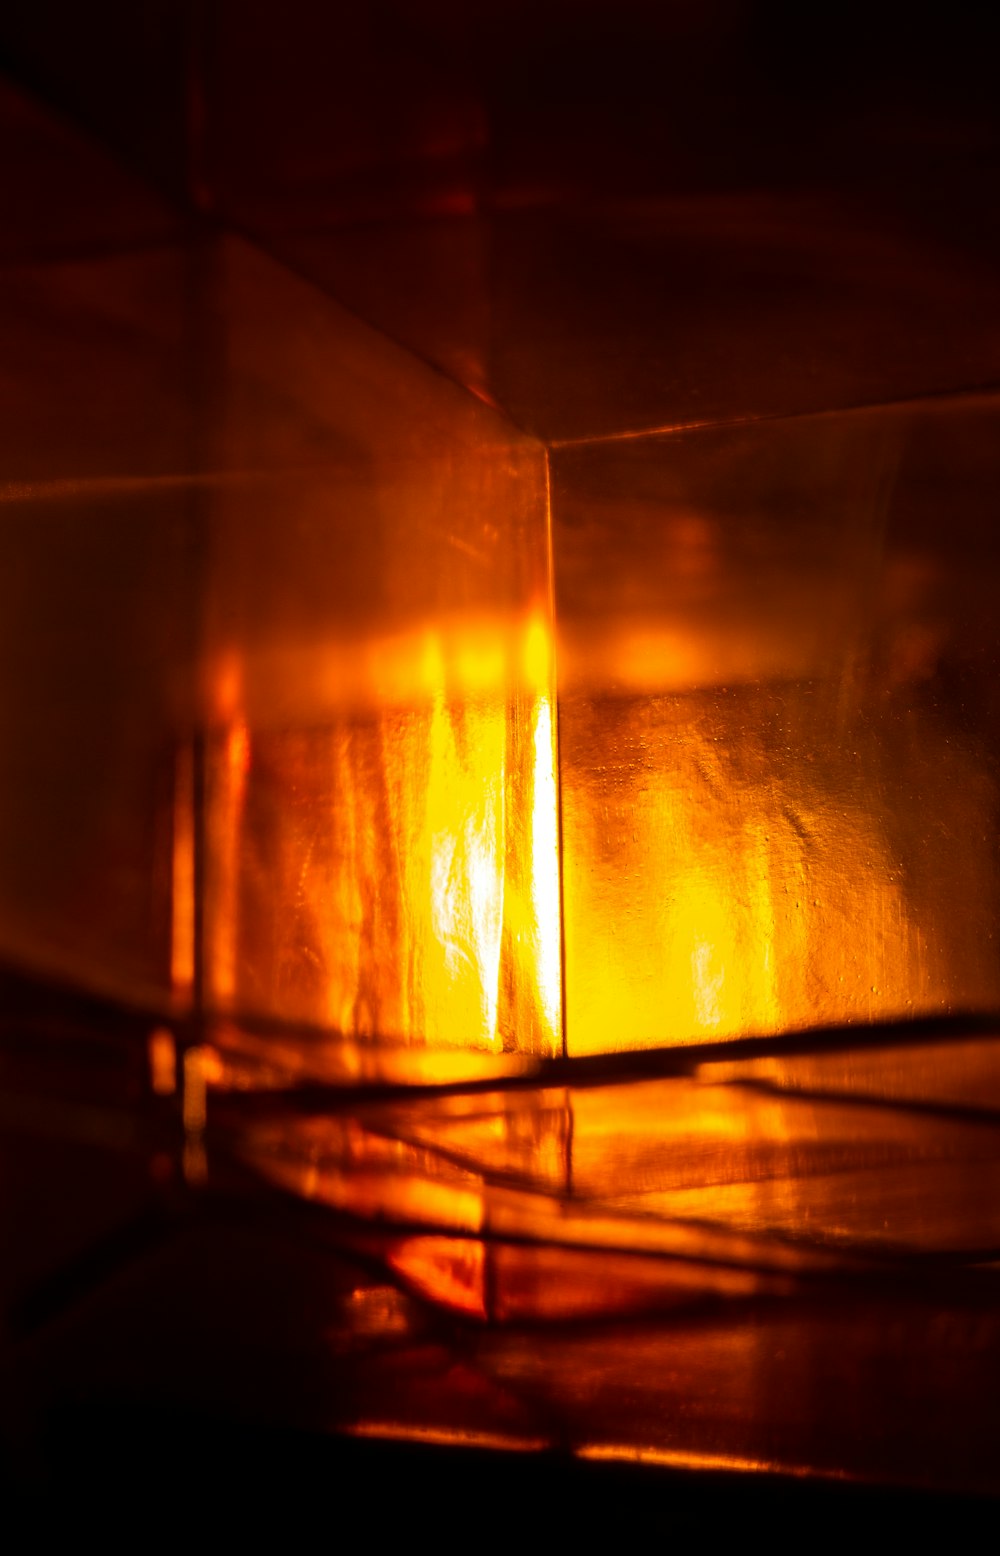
<point x="162" y="1062"/>
<point x="679" y="1459"/>
<point x="448" y="1270"/>
<point x="708" y="975"/>
<point x="538" y="656"/>
<point x="221" y="957"/>
<point x="723" y="944"/>
<point x="545" y="867"/>
<point x="394" y="872"/>
<point x="377" y="1311"/>
<point x="719" y="881"/>
<point x="238" y="750"/>
<point x="226" y="689"/>
<point x="195" y="1090"/>
<point x="182" y="928"/>
<point x="464" y="827"/>
<point x="470" y="1437"/>
<point x="194" y="1161"/>
<point x="196" y="1069"/>
<point x="476" y="657"/>
<point x="377" y="1191"/>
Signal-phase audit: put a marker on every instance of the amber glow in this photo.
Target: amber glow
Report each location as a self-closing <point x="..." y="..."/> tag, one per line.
<point x="226" y="802"/>
<point x="743" y="1181"/>
<point x="678" y="1459"/>
<point x="163" y="1062"/>
<point x="771" y="907"/>
<point x="450" y="1271"/>
<point x="182" y="927"/>
<point x="546" y="906"/>
<point x="395" y="873"/>
<point x="196" y="1065"/>
<point x="443" y="1437"/>
<point x="382" y="1193"/>
<point x="398" y="874"/>
<point x="727" y="872"/>
<point x="763" y="753"/>
<point x="727" y="810"/>
<point x="416" y="703"/>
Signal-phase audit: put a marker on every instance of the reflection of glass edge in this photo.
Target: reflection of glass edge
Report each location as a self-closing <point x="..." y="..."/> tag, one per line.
<point x="716" y="1181"/>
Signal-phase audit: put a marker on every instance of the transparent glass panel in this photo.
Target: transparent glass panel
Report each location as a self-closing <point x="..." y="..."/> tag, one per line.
<point x="779" y="724"/>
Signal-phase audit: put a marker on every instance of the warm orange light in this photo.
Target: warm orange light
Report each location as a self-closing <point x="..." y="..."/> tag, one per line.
<point x="396" y="873"/>
<point x="774" y="753"/>
<point x="182" y="927"/>
<point x="722" y="808"/>
<point x="450" y="1271"/>
<point x="715" y="888"/>
<point x="162" y="1062"/>
<point x="545" y="942"/>
<point x="225" y="801"/>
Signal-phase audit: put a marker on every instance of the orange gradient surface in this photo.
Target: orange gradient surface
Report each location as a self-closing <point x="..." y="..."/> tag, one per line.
<point x="380" y="788"/>
<point x="745" y="823"/>
<point x="388" y="720"/>
<point x="394" y="874"/>
<point x="738" y="1180"/>
<point x="777" y="725"/>
<point x="404" y="722"/>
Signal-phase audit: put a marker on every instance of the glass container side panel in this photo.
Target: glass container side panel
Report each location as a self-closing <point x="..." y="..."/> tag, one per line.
<point x="380" y="823"/>
<point x="779" y="725"/>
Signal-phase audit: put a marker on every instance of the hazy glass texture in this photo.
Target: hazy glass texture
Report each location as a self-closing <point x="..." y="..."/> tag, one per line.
<point x="735" y="1179"/>
<point x="778" y="724"/>
<point x="281" y="732"/>
<point x="776" y="717"/>
<point x="380" y="793"/>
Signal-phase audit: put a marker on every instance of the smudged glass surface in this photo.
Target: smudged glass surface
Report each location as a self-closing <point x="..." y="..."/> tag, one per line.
<point x="753" y="1181"/>
<point x="778" y="725"/>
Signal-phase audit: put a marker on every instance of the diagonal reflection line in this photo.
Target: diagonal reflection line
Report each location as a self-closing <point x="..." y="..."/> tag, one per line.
<point x="968" y="394"/>
<point x="321" y="1095"/>
<point x="944" y="1112"/>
